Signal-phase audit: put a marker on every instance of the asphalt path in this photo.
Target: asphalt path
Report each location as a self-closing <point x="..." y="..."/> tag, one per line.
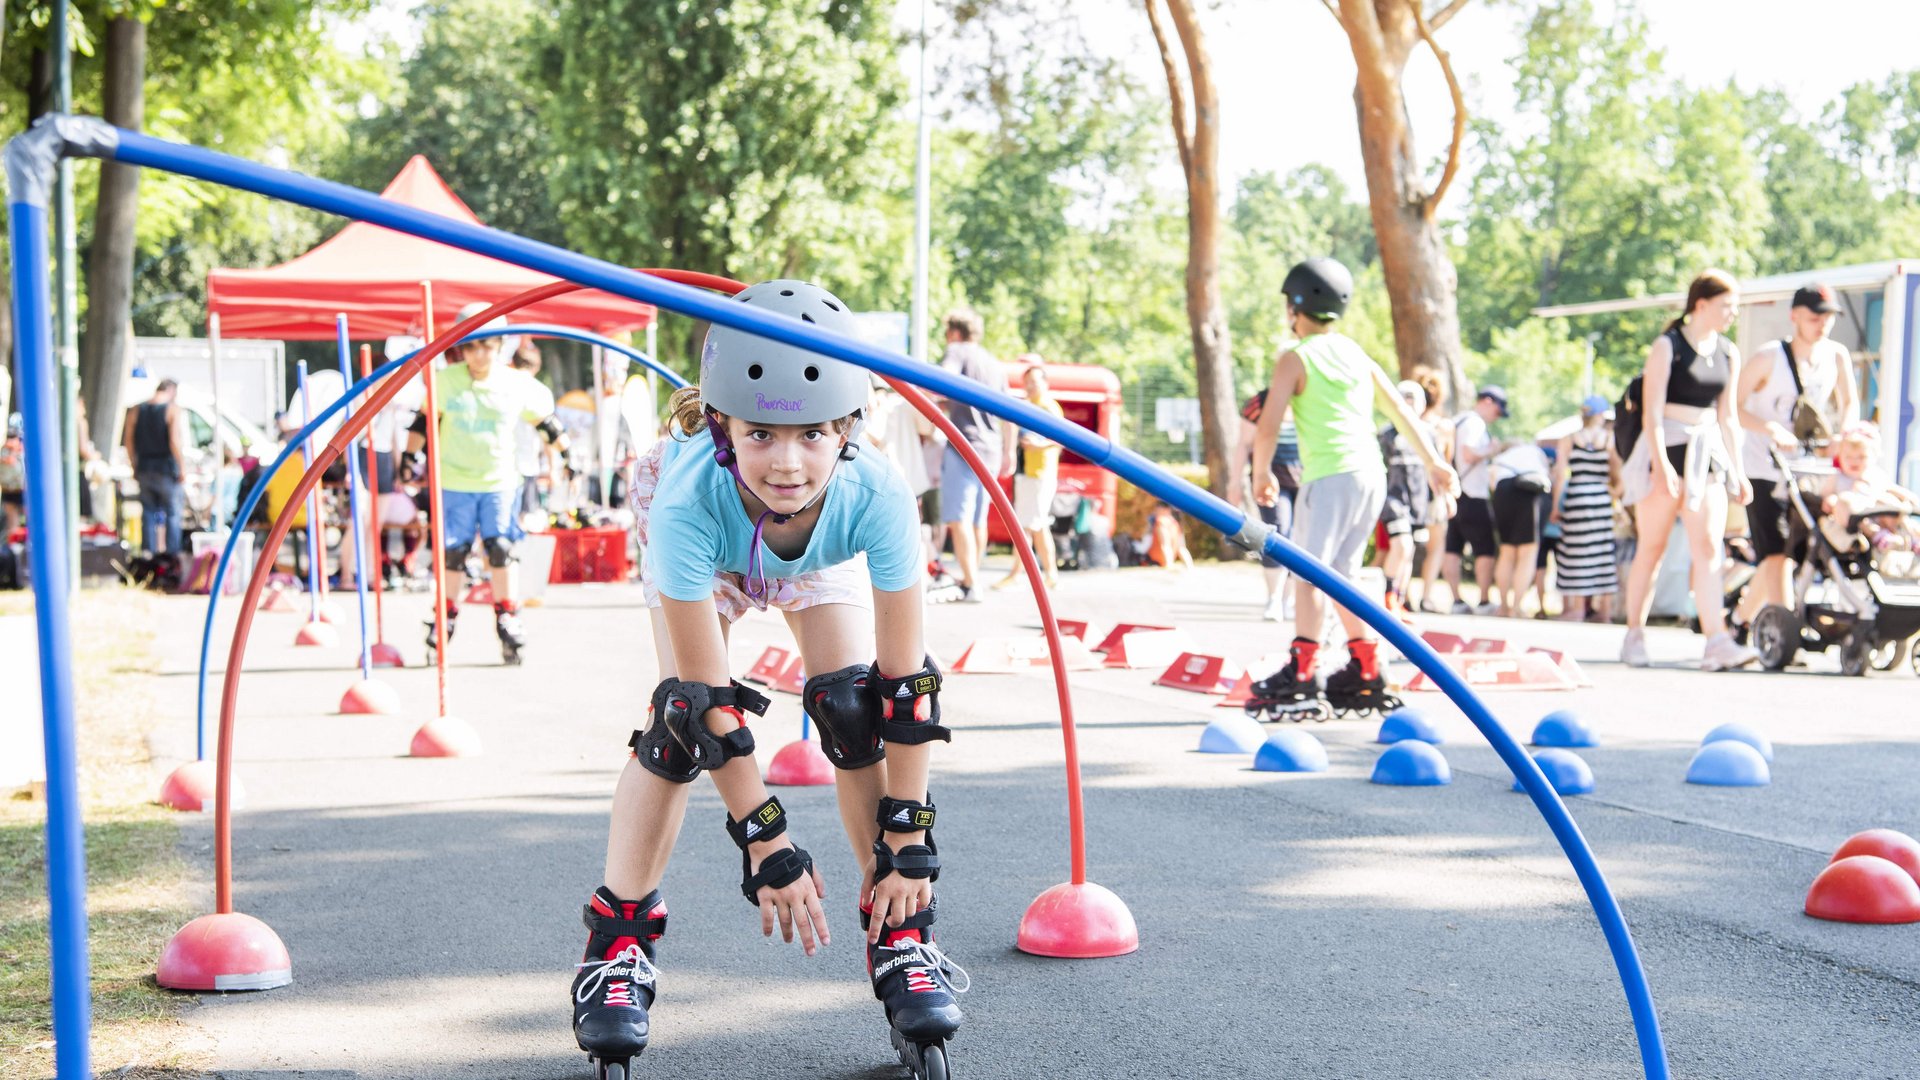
<point x="1290" y="925"/>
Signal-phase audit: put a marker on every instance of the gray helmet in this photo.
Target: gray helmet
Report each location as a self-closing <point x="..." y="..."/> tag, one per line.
<point x="1320" y="288"/>
<point x="768" y="382"/>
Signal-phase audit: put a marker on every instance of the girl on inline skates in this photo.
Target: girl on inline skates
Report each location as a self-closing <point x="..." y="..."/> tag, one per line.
<point x="761" y="499"/>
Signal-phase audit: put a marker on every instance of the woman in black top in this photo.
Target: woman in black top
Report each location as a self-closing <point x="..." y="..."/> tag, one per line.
<point x="1686" y="465"/>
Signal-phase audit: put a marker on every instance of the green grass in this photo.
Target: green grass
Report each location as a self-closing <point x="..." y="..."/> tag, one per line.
<point x="138" y="884"/>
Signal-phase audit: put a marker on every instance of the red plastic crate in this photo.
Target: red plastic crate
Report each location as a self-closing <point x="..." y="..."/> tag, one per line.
<point x="588" y="555"/>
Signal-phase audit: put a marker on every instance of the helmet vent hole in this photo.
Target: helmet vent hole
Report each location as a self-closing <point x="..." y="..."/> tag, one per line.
<point x="806" y="318"/>
<point x="831" y="304"/>
<point x="812" y="374"/>
<point x="754" y="372"/>
<point x="786" y="292"/>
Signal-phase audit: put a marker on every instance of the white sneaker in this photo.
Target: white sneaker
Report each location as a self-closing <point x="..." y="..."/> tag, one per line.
<point x="1276" y="609"/>
<point x="1633" y="649"/>
<point x="1724" y="654"/>
<point x="1460" y="607"/>
<point x="1485" y="609"/>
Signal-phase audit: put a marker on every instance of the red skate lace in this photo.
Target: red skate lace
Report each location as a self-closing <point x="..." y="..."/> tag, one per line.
<point x="934" y="967"/>
<point x="620" y="991"/>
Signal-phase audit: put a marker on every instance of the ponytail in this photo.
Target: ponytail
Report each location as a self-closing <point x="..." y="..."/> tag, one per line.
<point x="1709" y="284"/>
<point x="686" y="417"/>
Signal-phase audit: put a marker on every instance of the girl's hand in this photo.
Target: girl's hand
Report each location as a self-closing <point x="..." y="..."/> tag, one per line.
<point x="897" y="898"/>
<point x="796" y="904"/>
<point x="1268" y="493"/>
<point x="1782" y="438"/>
<point x="1745" y="493"/>
<point x="1664" y="473"/>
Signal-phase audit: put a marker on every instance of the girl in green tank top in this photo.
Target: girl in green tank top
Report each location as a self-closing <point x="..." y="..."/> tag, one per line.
<point x="1334" y="409"/>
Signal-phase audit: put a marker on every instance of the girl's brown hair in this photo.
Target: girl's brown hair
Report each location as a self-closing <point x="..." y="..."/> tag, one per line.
<point x="1709" y="284"/>
<point x="686" y="417"/>
<point x="1429" y="381"/>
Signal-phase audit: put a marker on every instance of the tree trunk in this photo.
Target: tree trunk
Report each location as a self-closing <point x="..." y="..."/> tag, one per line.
<point x="1421" y="281"/>
<point x="1200" y="157"/>
<point x="108" y="345"/>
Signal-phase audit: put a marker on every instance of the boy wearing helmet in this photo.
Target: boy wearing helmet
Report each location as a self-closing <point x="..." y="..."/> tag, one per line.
<point x="1332" y="386"/>
<point x="481" y="403"/>
<point x="761" y="499"/>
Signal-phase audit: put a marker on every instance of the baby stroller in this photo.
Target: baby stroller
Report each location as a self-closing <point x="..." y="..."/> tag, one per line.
<point x="1865" y="602"/>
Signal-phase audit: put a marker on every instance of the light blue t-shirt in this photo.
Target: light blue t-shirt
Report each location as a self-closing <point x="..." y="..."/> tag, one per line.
<point x="698" y="527"/>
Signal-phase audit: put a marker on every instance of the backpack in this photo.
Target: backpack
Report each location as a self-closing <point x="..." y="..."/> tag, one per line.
<point x="1628" y="417"/>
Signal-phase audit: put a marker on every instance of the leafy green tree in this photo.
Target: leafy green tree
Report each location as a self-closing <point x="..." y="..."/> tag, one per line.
<point x="731" y="143"/>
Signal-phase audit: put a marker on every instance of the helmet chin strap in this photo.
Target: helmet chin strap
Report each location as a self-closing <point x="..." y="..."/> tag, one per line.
<point x="725" y="456"/>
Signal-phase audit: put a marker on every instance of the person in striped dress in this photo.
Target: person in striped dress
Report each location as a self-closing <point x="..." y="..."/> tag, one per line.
<point x="1584" y="560"/>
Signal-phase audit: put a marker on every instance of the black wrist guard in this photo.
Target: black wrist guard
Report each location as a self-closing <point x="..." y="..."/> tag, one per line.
<point x="779" y="869"/>
<point x="900" y="815"/>
<point x="912" y="861"/>
<point x="550" y="429"/>
<point x="910" y="706"/>
<point x="676" y="744"/>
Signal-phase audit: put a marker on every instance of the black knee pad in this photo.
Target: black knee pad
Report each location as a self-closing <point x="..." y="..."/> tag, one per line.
<point x="842" y="706"/>
<point x="457" y="557"/>
<point x="676" y="745"/>
<point x="500" y="551"/>
<point x="910" y="705"/>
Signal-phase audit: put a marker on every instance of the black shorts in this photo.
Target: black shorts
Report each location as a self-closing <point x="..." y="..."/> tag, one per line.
<point x="1767" y="520"/>
<point x="1516" y="512"/>
<point x="1471" y="527"/>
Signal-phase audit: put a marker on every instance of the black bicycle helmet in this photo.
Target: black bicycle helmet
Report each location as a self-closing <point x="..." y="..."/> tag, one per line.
<point x="1320" y="288"/>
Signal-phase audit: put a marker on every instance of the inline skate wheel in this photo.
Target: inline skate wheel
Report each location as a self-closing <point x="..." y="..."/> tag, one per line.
<point x="927" y="1061"/>
<point x="609" y="1070"/>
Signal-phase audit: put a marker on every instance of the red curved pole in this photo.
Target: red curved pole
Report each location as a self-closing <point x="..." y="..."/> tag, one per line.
<point x="277" y="534"/>
<point x="373" y="521"/>
<point x="436" y="548"/>
<point x="1022" y="546"/>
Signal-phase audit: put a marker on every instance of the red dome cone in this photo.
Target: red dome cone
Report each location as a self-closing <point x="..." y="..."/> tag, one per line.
<point x="278" y="600"/>
<point x="446" y="736"/>
<point x="386" y="655"/>
<point x="191" y="786"/>
<point x="224" y="952"/>
<point x="1864" y="889"/>
<point x="1078" y="922"/>
<point x="1896" y="847"/>
<point x="317" y="634"/>
<point x="370" y="697"/>
<point x="800" y="763"/>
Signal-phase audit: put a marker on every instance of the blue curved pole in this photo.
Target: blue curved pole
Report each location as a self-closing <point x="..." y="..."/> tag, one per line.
<point x="354" y="389"/>
<point x="353" y="505"/>
<point x="135" y="149"/>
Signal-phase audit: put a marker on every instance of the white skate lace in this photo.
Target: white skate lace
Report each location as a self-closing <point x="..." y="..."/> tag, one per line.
<point x="937" y="961"/>
<point x="644" y="973"/>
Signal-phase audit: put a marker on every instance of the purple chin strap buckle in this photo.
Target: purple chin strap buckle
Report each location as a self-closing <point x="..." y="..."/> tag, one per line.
<point x="724" y="456"/>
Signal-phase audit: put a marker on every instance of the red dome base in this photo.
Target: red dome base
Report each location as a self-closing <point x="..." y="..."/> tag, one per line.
<point x="386" y="655"/>
<point x="317" y="634"/>
<point x="191" y="788"/>
<point x="800" y="763"/>
<point x="1078" y="922"/>
<point x="1864" y="889"/>
<point x="224" y="952"/>
<point x="447" y="736"/>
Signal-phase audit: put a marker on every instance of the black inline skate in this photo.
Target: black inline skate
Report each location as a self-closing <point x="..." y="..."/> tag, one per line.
<point x="513" y="636"/>
<point x="917" y="982"/>
<point x="615" y="985"/>
<point x="1284" y="695"/>
<point x="433" y="642"/>
<point x="1350" y="693"/>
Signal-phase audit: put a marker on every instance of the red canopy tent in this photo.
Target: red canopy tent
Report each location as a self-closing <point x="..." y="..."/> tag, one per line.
<point x="372" y="275"/>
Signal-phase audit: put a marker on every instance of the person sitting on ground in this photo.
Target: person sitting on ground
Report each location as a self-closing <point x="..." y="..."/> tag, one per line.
<point x="1859" y="506"/>
<point x="1166" y="539"/>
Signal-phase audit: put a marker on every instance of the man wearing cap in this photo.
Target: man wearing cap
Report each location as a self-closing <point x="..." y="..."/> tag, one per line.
<point x="480" y="402"/>
<point x="1788" y="391"/>
<point x="1472" y="525"/>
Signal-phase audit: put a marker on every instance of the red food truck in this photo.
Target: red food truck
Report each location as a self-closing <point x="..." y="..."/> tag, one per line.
<point x="1089" y="395"/>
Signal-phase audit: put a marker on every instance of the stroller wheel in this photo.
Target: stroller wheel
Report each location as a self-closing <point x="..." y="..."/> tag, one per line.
<point x="1776" y="634"/>
<point x="1856" y="655"/>
<point x="1889" y="655"/>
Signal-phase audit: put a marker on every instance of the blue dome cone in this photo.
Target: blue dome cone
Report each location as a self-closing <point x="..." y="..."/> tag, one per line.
<point x="1566" y="771"/>
<point x="1564" y="729"/>
<point x="1743" y="734"/>
<point x="1408" y="723"/>
<point x="1412" y="763"/>
<point x="1235" y="734"/>
<point x="1290" y="750"/>
<point x="1727" y="763"/>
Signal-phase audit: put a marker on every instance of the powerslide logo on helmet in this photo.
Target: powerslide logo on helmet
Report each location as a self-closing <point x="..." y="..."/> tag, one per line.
<point x="767" y="404"/>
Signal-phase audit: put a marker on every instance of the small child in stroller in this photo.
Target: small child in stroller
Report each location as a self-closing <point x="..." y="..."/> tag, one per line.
<point x="1860" y="509"/>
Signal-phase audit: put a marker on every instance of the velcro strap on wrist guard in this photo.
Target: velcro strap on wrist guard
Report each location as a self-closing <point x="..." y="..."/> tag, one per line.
<point x="910" y="706"/>
<point x="901" y="815"/>
<point x="765" y="822"/>
<point x="913" y="861"/>
<point x="781" y="869"/>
